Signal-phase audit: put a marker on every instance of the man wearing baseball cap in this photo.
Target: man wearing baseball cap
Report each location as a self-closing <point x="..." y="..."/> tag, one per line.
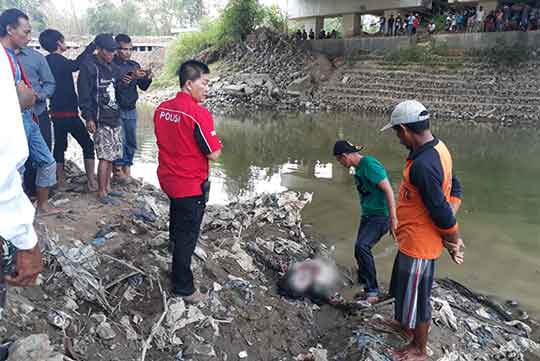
<point x="378" y="210"/>
<point x="99" y="79"/>
<point x="428" y="200"/>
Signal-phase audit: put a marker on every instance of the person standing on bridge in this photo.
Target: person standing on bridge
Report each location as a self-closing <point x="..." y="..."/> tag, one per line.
<point x="391" y="21"/>
<point x="135" y="77"/>
<point x="186" y="141"/>
<point x="378" y="210"/>
<point x="64" y="105"/>
<point x="429" y="197"/>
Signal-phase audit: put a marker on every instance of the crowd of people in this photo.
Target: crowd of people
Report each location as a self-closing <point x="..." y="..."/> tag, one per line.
<point x="323" y="34"/>
<point x="422" y="219"/>
<point x="504" y="18"/>
<point x="397" y="26"/>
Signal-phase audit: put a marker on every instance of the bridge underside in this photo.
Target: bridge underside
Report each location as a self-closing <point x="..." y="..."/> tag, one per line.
<point x="311" y="13"/>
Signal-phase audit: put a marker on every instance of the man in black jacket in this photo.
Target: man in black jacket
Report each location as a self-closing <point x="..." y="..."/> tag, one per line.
<point x="133" y="76"/>
<point x="64" y="105"/>
<point x="97" y="85"/>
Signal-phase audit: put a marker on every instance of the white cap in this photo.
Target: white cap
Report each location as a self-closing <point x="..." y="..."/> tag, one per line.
<point x="408" y="111"/>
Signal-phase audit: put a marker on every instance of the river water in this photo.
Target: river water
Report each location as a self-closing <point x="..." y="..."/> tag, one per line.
<point x="499" y="170"/>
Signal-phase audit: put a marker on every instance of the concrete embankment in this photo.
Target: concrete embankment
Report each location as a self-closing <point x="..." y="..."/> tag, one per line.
<point x="271" y="71"/>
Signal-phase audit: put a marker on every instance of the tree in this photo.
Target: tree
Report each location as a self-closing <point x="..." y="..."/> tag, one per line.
<point x="164" y="15"/>
<point x="32" y="8"/>
<point x="275" y="19"/>
<point x="241" y="17"/>
<point x="105" y="17"/>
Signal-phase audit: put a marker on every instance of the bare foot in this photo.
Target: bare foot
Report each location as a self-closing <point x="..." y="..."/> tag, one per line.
<point x="372" y="299"/>
<point x="409" y="353"/>
<point x="397" y="327"/>
<point x="49" y="211"/>
<point x="92" y="186"/>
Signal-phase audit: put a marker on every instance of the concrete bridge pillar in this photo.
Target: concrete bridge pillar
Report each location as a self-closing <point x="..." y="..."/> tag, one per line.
<point x="315" y="23"/>
<point x="352" y="25"/>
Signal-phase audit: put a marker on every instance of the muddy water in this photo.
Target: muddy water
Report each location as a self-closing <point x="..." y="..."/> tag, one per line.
<point x="499" y="171"/>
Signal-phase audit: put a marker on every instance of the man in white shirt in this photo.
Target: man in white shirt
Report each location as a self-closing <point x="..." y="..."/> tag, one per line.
<point x="18" y="240"/>
<point x="480" y="19"/>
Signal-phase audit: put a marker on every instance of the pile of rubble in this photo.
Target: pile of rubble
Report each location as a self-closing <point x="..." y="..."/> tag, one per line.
<point x="105" y="292"/>
<point x="466" y="327"/>
<point x="267" y="71"/>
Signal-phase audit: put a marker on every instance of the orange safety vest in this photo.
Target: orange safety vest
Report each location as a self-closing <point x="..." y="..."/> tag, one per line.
<point x="417" y="235"/>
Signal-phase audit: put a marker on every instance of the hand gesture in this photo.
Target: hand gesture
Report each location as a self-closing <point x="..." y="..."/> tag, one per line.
<point x="139" y="73"/>
<point x="91" y="126"/>
<point x="27" y="97"/>
<point x="127" y="78"/>
<point x="393" y="226"/>
<point x="456" y="249"/>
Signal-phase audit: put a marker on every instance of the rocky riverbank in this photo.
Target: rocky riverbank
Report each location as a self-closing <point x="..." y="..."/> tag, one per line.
<point x="276" y="72"/>
<point x="105" y="292"/>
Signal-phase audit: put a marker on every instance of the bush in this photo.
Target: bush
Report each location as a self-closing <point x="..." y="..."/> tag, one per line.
<point x="273" y="18"/>
<point x="187" y="45"/>
<point x="413" y="54"/>
<point x="241" y="17"/>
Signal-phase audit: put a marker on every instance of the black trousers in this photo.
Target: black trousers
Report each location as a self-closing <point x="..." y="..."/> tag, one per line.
<point x="75" y="127"/>
<point x="370" y="232"/>
<point x="186" y="215"/>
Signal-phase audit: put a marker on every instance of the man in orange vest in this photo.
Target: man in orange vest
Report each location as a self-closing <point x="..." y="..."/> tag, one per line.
<point x="429" y="197"/>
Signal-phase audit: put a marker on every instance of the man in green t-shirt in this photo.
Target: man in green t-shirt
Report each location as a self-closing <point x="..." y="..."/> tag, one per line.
<point x="378" y="210"/>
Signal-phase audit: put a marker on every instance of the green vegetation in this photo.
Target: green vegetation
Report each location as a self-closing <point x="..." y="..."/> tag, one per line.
<point x="32" y="8"/>
<point x="423" y="55"/>
<point x="186" y="45"/>
<point x="239" y="19"/>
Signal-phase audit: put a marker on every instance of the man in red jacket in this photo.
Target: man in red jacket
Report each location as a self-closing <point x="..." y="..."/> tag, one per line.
<point x="186" y="142"/>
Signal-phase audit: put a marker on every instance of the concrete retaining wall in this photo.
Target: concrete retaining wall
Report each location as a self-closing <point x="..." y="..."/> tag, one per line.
<point x="343" y="47"/>
<point x="488" y="40"/>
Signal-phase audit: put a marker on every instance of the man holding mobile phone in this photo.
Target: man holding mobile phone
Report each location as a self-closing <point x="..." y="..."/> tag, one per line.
<point x="133" y="77"/>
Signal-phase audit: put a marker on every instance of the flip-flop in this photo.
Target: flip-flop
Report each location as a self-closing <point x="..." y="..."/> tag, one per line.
<point x="116" y="194"/>
<point x="108" y="201"/>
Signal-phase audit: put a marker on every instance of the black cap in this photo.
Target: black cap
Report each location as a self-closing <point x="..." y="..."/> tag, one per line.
<point x="106" y="41"/>
<point x="344" y="147"/>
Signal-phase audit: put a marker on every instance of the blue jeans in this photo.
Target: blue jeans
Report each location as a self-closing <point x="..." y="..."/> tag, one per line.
<point x="371" y="230"/>
<point x="39" y="154"/>
<point x="129" y="131"/>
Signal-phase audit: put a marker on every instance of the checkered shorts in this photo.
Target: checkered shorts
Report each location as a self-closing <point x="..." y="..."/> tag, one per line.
<point x="108" y="143"/>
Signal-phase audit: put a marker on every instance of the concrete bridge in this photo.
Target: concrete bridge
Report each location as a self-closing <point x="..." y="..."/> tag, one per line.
<point x="141" y="44"/>
<point x="311" y="13"/>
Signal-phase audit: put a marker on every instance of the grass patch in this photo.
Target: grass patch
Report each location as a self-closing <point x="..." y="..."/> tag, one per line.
<point x="423" y="55"/>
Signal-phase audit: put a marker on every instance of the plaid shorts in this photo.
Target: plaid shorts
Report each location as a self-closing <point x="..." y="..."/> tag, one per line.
<point x="412" y="280"/>
<point x="108" y="143"/>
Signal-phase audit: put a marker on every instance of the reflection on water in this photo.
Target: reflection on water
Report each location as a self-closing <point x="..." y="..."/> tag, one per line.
<point x="499" y="171"/>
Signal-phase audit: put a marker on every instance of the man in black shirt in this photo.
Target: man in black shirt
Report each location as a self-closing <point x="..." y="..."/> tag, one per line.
<point x="63" y="106"/>
<point x="132" y="75"/>
<point x="390" y="30"/>
<point x="97" y="85"/>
